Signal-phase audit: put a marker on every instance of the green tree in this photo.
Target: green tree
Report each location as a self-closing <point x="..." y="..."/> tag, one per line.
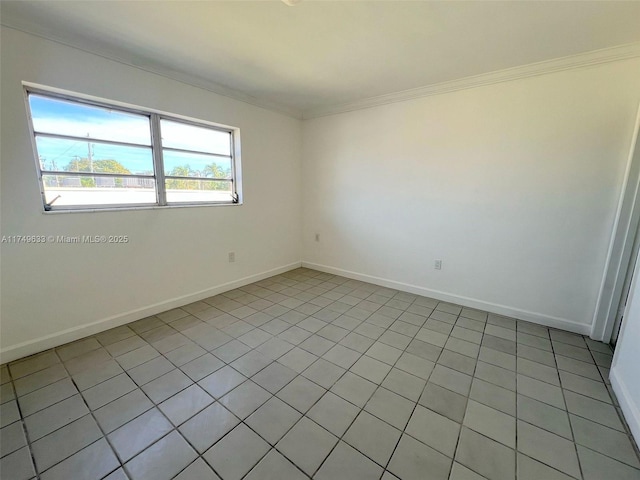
<point x="99" y="166"/>
<point x="214" y="170"/>
<point x="179" y="183"/>
<point x="182" y="171"/>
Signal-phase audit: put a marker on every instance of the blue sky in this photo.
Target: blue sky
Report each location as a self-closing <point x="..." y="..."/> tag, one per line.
<point x="65" y="118"/>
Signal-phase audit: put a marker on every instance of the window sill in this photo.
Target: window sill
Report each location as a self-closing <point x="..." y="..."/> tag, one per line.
<point x="150" y="207"/>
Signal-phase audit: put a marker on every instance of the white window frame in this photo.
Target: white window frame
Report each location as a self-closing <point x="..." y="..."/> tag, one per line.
<point x="156" y="147"/>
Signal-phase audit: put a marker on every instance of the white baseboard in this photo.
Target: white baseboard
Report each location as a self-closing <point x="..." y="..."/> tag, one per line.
<point x="71" y="334"/>
<point x="630" y="409"/>
<point x="534" y="317"/>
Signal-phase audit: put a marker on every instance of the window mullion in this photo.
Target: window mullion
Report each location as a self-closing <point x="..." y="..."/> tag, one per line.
<point x="158" y="164"/>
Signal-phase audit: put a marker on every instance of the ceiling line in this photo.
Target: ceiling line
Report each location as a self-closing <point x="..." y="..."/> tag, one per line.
<point x="571" y="62"/>
<point x="181" y="77"/>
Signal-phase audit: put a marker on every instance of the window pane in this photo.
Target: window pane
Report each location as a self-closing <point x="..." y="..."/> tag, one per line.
<point x="78" y="120"/>
<point x="183" y="164"/>
<point x="58" y="154"/>
<point x="193" y="191"/>
<point x="81" y="190"/>
<point x="199" y="139"/>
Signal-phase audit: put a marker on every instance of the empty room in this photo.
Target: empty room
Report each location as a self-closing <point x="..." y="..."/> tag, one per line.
<point x="332" y="240"/>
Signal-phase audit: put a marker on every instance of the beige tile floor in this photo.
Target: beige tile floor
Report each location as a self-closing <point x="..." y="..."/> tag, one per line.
<point x="307" y="374"/>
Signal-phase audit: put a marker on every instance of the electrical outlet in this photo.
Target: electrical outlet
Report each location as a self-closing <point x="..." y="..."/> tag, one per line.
<point x="438" y="265"/>
<point x="317" y="237"/>
<point x="232" y="257"/>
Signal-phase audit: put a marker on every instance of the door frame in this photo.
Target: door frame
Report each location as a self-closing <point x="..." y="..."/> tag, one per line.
<point x="620" y="247"/>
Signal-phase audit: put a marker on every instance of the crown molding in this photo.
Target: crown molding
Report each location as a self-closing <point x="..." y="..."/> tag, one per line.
<point x="581" y="60"/>
<point x="148" y="66"/>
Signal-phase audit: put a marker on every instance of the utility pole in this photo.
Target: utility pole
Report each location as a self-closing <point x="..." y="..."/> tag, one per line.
<point x="54" y="167"/>
<point x="90" y="158"/>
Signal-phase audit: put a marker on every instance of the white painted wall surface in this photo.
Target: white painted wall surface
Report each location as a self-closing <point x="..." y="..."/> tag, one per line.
<point x="625" y="370"/>
<point x="56" y="293"/>
<point x="513" y="185"/>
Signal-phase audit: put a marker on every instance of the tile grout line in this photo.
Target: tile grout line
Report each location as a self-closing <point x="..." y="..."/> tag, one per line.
<point x="455" y="451"/>
<point x="104" y="436"/>
<point x="562" y="390"/>
<point x="23" y="425"/>
<point x="329" y="390"/>
<point x="317" y="357"/>
<point x="516" y="419"/>
<point x="403" y="431"/>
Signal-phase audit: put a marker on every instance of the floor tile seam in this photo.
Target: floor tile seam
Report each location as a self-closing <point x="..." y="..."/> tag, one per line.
<point x="343" y="373"/>
<point x="105" y="345"/>
<point x="577" y="414"/>
<point x="386" y="464"/>
<point x="273" y="445"/>
<point x="140" y="385"/>
<point x="32" y="391"/>
<point x="361" y="409"/>
<point x="173" y="429"/>
<point x="570" y="424"/>
<point x="52" y="431"/>
<point x="493" y="383"/>
<point x="403" y="351"/>
<point x="558" y="354"/>
<point x="24" y="426"/>
<point x="515" y="416"/>
<point x="600" y="373"/>
<point x="549" y="350"/>
<point x="557" y="385"/>
<point x="386" y="421"/>
<point x="573" y="437"/>
<point x="515" y="451"/>
<point x="58" y="462"/>
<point x="455" y="450"/>
<point x="77" y="392"/>
<point x="517" y="436"/>
<point x="637" y="469"/>
<point x="577" y="442"/>
<point x="191" y="360"/>
<point x="333" y="384"/>
<point x="221" y="439"/>
<point x="32" y="356"/>
<point x="585" y="347"/>
<point x="24" y="431"/>
<point x="415" y="406"/>
<point x="634" y="444"/>
<point x="12" y="381"/>
<point x="626" y="427"/>
<point x="155" y="405"/>
<point x="560" y="369"/>
<point x="79" y="354"/>
<point x="281" y="452"/>
<point x="104" y="436"/>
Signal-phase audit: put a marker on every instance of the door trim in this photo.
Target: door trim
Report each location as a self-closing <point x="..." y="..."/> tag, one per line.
<point x="620" y="246"/>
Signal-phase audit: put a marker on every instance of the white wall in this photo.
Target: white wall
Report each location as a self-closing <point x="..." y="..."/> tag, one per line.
<point x="625" y="370"/>
<point x="56" y="293"/>
<point x="513" y="185"/>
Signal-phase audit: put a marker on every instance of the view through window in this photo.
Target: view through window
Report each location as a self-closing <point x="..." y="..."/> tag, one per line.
<point x="94" y="155"/>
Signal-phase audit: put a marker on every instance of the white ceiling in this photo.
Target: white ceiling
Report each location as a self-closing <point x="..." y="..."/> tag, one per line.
<point x="323" y="53"/>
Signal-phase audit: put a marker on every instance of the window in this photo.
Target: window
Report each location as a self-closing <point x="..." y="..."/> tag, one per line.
<point x="91" y="154"/>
